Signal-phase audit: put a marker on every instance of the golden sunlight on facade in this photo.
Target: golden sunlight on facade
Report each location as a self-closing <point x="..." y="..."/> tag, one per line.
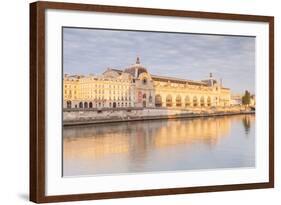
<point x="136" y="87"/>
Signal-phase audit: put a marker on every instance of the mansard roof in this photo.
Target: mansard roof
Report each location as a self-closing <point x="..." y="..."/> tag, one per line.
<point x="136" y="69"/>
<point x="110" y="73"/>
<point x="177" y="80"/>
<point x="116" y="70"/>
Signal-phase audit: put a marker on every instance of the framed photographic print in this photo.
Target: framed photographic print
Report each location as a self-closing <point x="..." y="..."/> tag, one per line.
<point x="128" y="102"/>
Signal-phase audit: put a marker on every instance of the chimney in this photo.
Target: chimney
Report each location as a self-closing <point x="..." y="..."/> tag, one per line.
<point x="211" y="79"/>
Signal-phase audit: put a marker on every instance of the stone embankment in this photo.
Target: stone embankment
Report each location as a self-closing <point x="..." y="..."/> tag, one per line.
<point x="94" y="116"/>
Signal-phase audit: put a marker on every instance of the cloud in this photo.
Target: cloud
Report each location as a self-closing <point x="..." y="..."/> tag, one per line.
<point x="190" y="56"/>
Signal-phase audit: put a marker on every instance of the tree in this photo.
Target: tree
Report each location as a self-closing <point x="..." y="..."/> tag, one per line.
<point x="246" y="98"/>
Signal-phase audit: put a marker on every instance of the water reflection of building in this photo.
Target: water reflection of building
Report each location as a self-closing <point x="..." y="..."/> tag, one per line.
<point x="247" y="121"/>
<point x="141" y="137"/>
<point x="136" y="87"/>
<point x="208" y="131"/>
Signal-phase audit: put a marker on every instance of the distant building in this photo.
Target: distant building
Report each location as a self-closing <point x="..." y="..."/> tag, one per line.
<point x="236" y="100"/>
<point x="253" y="100"/>
<point x="136" y="87"/>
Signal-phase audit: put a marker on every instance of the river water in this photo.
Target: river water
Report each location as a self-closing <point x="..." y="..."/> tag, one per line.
<point x="159" y="145"/>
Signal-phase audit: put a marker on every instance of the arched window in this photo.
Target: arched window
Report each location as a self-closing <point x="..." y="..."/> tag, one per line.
<point x="169" y="101"/>
<point x="187" y="101"/>
<point x="80" y="105"/>
<point x="144" y="81"/>
<point x="85" y="105"/>
<point x="90" y="105"/>
<point x="209" y="101"/>
<point x="178" y="101"/>
<point x="158" y="101"/>
<point x="150" y="99"/>
<point x="144" y="96"/>
<point x="202" y="101"/>
<point x="195" y="102"/>
<point x="68" y="104"/>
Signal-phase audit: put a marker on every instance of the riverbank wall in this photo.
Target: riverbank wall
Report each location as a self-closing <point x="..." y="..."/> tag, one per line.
<point x="96" y="116"/>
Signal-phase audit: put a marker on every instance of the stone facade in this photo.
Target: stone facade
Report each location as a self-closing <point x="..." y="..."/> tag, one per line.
<point x="135" y="87"/>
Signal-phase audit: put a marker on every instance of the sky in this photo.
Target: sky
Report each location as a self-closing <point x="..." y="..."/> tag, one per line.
<point x="182" y="55"/>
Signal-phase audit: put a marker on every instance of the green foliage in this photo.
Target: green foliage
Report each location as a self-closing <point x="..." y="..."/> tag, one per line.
<point x="246" y="98"/>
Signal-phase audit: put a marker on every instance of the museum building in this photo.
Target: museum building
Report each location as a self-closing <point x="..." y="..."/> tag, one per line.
<point x="135" y="87"/>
